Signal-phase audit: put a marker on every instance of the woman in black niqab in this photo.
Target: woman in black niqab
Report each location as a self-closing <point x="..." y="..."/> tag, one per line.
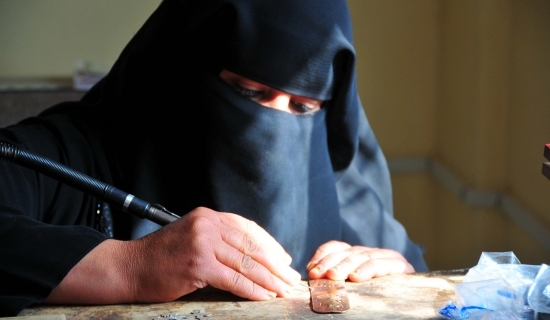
<point x="165" y="127"/>
<point x="225" y="151"/>
<point x="305" y="179"/>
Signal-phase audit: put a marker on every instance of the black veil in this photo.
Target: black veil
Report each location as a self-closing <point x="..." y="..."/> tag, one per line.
<point x="163" y="112"/>
<point x="163" y="126"/>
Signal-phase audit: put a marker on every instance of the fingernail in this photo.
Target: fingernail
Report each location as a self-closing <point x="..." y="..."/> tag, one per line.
<point x="271" y="294"/>
<point x="357" y="271"/>
<point x="310" y="266"/>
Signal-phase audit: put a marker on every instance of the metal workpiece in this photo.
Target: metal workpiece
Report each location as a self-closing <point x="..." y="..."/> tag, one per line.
<point x="328" y="296"/>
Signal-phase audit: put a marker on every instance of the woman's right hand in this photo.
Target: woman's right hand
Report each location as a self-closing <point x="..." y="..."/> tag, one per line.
<point x="204" y="247"/>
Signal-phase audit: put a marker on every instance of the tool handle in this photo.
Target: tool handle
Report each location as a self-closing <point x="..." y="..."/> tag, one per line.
<point x="124" y="201"/>
<point x="546" y="165"/>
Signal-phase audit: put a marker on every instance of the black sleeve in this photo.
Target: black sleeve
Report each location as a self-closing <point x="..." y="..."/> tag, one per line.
<point x="45" y="227"/>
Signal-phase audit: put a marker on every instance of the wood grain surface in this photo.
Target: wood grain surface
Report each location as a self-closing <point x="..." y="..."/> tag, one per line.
<point x="413" y="296"/>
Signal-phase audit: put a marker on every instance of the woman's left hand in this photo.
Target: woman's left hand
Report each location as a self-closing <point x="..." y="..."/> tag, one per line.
<point x="338" y="260"/>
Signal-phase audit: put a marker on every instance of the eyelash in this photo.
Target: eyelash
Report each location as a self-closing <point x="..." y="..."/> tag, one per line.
<point x="248" y="93"/>
<point x="302" y="108"/>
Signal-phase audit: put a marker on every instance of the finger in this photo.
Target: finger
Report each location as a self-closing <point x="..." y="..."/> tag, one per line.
<point x="228" y="279"/>
<point x="258" y="245"/>
<point x="325" y="250"/>
<point x="253" y="271"/>
<point x="338" y="265"/>
<point x="348" y="264"/>
<point x="259" y="235"/>
<point x="380" y="267"/>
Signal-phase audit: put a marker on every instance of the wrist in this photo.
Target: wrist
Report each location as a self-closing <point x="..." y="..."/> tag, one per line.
<point x="103" y="276"/>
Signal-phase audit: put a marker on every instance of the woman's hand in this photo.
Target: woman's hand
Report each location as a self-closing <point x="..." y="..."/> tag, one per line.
<point x="223" y="250"/>
<point x="204" y="247"/>
<point x="338" y="260"/>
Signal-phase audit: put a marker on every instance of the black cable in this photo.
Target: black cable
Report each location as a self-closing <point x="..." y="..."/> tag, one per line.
<point x="124" y="201"/>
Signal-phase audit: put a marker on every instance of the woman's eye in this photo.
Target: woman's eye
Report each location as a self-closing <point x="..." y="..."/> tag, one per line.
<point x="303" y="108"/>
<point x="248" y="93"/>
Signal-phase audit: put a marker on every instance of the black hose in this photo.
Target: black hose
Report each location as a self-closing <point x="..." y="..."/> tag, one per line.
<point x="124" y="201"/>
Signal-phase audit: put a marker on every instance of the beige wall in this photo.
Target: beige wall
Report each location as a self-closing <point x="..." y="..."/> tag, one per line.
<point x="44" y="38"/>
<point x="397" y="67"/>
<point x="462" y="83"/>
<point x="466" y="84"/>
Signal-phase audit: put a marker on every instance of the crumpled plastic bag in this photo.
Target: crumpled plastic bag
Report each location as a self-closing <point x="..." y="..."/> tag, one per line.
<point x="538" y="295"/>
<point x="500" y="287"/>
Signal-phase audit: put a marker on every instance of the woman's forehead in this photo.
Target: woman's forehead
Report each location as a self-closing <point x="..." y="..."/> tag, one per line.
<point x="289" y="45"/>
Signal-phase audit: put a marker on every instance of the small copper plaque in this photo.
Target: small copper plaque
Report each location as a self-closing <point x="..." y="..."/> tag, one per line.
<point x="328" y="296"/>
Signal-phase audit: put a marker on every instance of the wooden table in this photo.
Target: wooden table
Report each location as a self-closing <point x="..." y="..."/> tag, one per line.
<point x="413" y="296"/>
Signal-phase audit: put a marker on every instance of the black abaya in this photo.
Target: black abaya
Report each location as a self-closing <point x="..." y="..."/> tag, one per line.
<point x="194" y="141"/>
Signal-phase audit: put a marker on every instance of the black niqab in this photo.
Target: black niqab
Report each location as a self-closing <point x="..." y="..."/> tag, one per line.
<point x="163" y="126"/>
<point x="220" y="150"/>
